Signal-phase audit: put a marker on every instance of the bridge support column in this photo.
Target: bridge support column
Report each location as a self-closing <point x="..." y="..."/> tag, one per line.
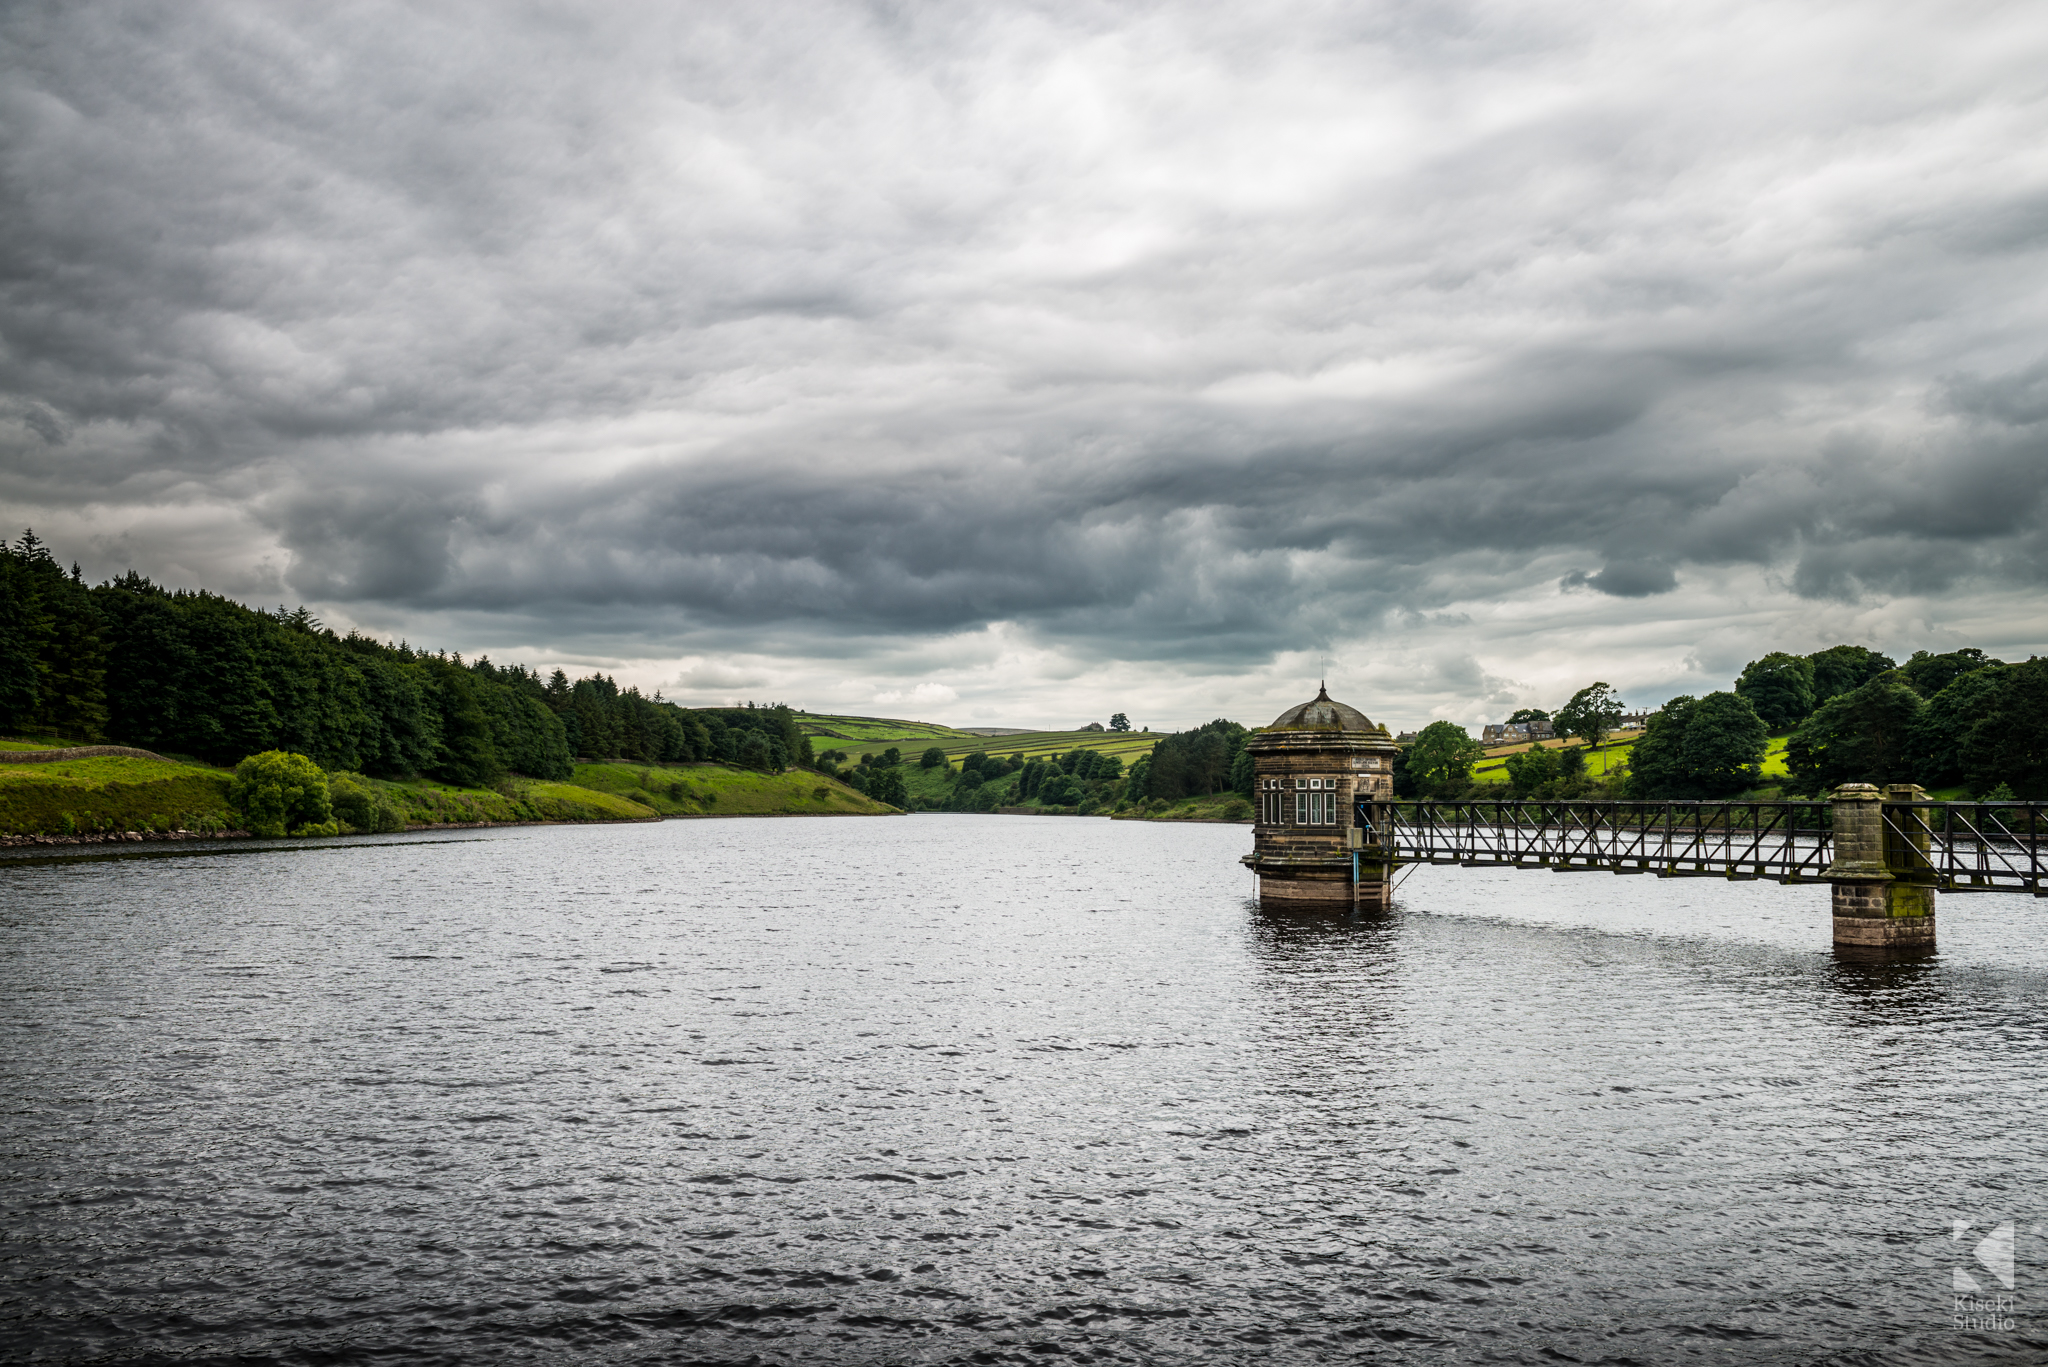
<point x="1876" y="911"/>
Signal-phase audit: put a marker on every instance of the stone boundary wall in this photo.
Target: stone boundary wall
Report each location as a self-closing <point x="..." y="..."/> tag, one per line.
<point x="118" y="838"/>
<point x="75" y="752"/>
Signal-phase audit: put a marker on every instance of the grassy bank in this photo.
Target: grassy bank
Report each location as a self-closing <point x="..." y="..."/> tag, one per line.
<point x="84" y="796"/>
<point x="426" y="803"/>
<point x="125" y="793"/>
<point x="40" y="743"/>
<point x="121" y="793"/>
<point x="716" y="790"/>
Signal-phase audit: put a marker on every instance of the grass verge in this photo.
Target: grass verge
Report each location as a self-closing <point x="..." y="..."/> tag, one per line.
<point x="44" y="743"/>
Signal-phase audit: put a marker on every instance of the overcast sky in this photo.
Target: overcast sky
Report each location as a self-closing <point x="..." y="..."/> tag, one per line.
<point x="1020" y="363"/>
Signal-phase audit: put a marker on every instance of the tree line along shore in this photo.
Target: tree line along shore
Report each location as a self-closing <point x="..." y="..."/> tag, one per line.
<point x="407" y="737"/>
<point x="403" y="737"/>
<point x="1959" y="723"/>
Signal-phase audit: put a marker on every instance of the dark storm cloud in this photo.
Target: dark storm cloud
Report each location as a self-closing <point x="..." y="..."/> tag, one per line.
<point x="1174" y="334"/>
<point x="1625" y="579"/>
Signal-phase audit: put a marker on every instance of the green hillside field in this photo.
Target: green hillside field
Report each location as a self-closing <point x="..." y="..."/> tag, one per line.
<point x="857" y="736"/>
<point x="931" y="787"/>
<point x="716" y="790"/>
<point x="1599" y="761"/>
<point x="1230" y="808"/>
<point x="1614" y="755"/>
<point x="1125" y="745"/>
<point x="829" y="731"/>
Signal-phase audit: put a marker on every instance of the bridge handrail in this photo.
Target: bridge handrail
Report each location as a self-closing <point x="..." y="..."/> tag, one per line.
<point x="1966" y="846"/>
<point x="1956" y="846"/>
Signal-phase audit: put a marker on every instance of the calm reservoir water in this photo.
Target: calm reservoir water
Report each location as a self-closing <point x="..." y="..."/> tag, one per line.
<point x="981" y="1089"/>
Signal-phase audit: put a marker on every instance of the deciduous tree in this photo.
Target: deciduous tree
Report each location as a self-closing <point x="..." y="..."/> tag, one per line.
<point x="1779" y="687"/>
<point x="1844" y="669"/>
<point x="1441" y="758"/>
<point x="1531" y="770"/>
<point x="1864" y="736"/>
<point x="1944" y="728"/>
<point x="1590" y="715"/>
<point x="1699" y="748"/>
<point x="2008" y="746"/>
<point x="1928" y="674"/>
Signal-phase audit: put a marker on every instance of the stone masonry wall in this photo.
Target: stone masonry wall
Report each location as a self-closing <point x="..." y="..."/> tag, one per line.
<point x="1317" y="859"/>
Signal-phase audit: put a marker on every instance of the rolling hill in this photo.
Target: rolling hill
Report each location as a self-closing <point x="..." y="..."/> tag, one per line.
<point x="856" y="736"/>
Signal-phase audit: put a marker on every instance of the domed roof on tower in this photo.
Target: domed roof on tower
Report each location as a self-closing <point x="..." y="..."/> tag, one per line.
<point x="1322" y="713"/>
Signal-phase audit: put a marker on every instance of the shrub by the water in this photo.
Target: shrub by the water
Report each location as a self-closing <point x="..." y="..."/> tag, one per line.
<point x="280" y="793"/>
<point x="361" y="804"/>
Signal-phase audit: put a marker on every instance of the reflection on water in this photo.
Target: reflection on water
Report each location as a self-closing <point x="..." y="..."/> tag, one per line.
<point x="983" y="1089"/>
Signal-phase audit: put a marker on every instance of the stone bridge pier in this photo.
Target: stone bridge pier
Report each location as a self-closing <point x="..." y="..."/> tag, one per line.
<point x="1883" y="880"/>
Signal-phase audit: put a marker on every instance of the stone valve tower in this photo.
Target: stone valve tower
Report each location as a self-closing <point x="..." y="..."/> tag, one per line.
<point x="1309" y="767"/>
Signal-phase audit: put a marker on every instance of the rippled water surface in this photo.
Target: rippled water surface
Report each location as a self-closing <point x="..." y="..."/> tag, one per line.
<point x="986" y="1089"/>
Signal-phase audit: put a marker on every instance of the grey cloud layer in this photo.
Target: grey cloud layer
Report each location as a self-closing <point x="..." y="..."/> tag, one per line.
<point x="1175" y="333"/>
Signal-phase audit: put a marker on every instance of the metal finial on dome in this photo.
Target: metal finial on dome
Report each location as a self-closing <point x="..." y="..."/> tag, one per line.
<point x="1323" y="691"/>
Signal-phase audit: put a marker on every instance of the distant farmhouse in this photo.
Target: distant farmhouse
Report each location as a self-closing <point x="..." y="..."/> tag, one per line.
<point x="1502" y="733"/>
